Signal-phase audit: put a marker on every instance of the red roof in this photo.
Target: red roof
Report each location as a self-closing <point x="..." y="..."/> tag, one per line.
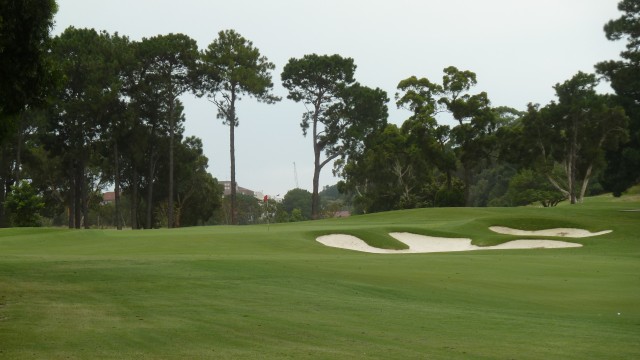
<point x="109" y="196"/>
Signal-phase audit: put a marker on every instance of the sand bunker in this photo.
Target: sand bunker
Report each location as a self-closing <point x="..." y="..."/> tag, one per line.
<point x="430" y="244"/>
<point x="350" y="242"/>
<point x="560" y="232"/>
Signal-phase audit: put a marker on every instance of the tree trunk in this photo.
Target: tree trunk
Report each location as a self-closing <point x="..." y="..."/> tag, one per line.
<point x="232" y="151"/>
<point x="3" y="184"/>
<point x="3" y="197"/>
<point x="134" y="197"/>
<point x="19" y="149"/>
<point x="573" y="149"/>
<point x="84" y="197"/>
<point x="152" y="170"/>
<point x="585" y="183"/>
<point x="72" y="197"/>
<point x="78" y="197"/>
<point x="117" y="185"/>
<point x="171" y="130"/>
<point x="315" y="197"/>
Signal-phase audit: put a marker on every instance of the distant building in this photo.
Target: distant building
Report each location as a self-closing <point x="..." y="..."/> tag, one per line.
<point x="108" y="198"/>
<point x="240" y="190"/>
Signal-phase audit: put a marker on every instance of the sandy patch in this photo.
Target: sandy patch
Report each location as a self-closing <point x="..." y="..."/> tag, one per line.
<point x="350" y="242"/>
<point x="427" y="244"/>
<point x="430" y="244"/>
<point x="560" y="232"/>
<point x="534" y="244"/>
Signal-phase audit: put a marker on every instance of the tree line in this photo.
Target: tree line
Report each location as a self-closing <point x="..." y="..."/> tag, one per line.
<point x="87" y="109"/>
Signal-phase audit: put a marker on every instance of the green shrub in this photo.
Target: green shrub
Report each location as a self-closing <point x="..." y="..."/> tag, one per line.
<point x="24" y="205"/>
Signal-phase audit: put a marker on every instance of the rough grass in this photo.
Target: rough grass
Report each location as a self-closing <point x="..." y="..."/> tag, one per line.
<point x="274" y="292"/>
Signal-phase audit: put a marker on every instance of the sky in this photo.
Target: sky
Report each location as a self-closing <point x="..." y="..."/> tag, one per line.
<point x="518" y="50"/>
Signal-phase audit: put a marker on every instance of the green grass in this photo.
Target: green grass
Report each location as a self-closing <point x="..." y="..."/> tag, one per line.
<point x="264" y="292"/>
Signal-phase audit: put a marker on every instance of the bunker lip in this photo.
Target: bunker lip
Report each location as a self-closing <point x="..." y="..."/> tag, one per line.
<point x="429" y="244"/>
<point x="558" y="232"/>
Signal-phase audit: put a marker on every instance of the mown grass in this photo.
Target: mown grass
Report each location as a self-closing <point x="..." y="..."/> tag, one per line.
<point x="264" y="292"/>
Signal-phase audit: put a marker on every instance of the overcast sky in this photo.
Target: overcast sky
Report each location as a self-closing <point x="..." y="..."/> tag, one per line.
<point x="518" y="50"/>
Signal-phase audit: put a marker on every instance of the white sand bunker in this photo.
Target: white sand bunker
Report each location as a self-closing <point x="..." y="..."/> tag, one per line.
<point x="561" y="232"/>
<point x="430" y="244"/>
<point x="350" y="242"/>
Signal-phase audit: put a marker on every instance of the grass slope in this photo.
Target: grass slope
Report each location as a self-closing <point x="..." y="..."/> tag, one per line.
<point x="273" y="292"/>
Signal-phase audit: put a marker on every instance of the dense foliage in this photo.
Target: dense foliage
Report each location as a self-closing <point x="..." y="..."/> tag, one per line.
<point x="86" y="111"/>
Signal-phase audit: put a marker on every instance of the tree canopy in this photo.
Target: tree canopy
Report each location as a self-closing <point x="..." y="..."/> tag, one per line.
<point x="86" y="112"/>
<point x="341" y="113"/>
<point x="25" y="72"/>
<point x="623" y="164"/>
<point x="229" y="68"/>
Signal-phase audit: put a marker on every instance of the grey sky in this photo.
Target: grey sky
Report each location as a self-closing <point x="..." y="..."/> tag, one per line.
<point x="518" y="49"/>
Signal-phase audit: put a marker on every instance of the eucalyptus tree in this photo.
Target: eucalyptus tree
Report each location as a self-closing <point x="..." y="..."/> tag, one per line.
<point x="623" y="165"/>
<point x="340" y="113"/>
<point x="423" y="99"/>
<point x="231" y="67"/>
<point x="575" y="132"/>
<point x="382" y="175"/>
<point x="473" y="136"/>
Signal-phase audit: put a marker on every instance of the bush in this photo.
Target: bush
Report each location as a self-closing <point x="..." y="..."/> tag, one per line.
<point x="527" y="187"/>
<point x="453" y="197"/>
<point x="24" y="205"/>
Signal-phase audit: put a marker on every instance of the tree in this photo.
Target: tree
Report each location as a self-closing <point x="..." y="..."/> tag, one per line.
<point x="472" y="139"/>
<point x="474" y="136"/>
<point x="160" y="73"/>
<point x="198" y="193"/>
<point x="117" y="120"/>
<point x="623" y="164"/>
<point x="397" y="170"/>
<point x="15" y="150"/>
<point x="381" y="173"/>
<point x="574" y="132"/>
<point x="249" y="210"/>
<point x="298" y="199"/>
<point x="24" y="70"/>
<point x="333" y="201"/>
<point x="528" y="187"/>
<point x="296" y="215"/>
<point x="492" y="181"/>
<point x="423" y="99"/>
<point x="341" y="112"/>
<point x="141" y="137"/>
<point x="48" y="175"/>
<point x="24" y="205"/>
<point x="169" y="60"/>
<point x="79" y="115"/>
<point x="491" y="185"/>
<point x="229" y="68"/>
